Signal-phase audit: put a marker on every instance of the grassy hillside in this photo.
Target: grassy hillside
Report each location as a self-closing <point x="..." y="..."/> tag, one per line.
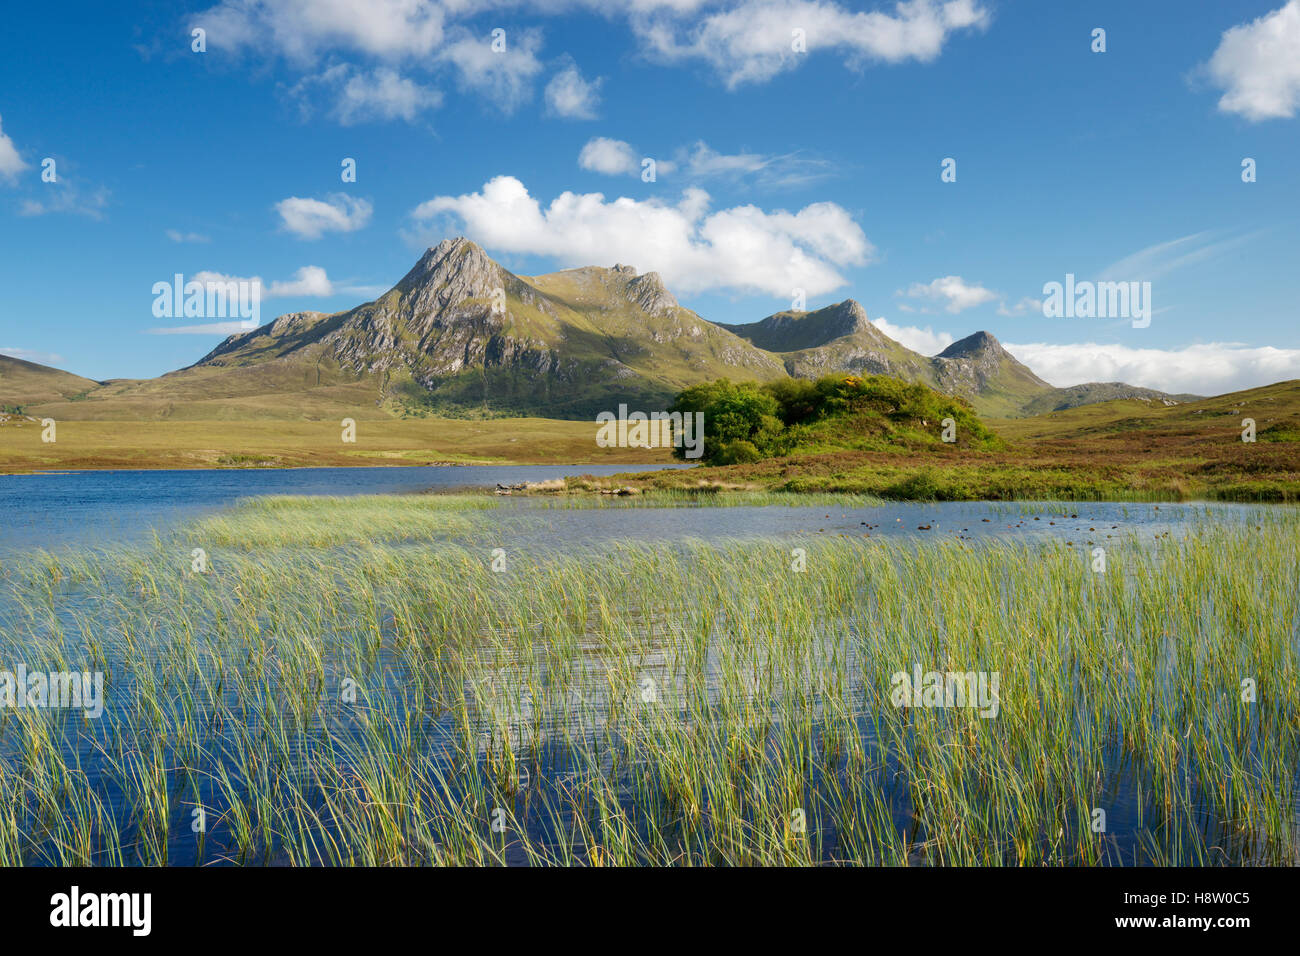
<point x="24" y="384"/>
<point x="1132" y="449"/>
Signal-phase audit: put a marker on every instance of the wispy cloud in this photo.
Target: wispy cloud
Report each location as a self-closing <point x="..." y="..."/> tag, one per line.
<point x="1159" y="260"/>
<point x="66" y="196"/>
<point x="175" y="235"/>
<point x="365" y="96"/>
<point x="699" y="162"/>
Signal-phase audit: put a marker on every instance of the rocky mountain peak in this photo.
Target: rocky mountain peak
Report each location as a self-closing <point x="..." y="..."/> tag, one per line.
<point x="852" y="317"/>
<point x="453" y="270"/>
<point x="625" y="270"/>
<point x="973" y="345"/>
<point x="650" y="293"/>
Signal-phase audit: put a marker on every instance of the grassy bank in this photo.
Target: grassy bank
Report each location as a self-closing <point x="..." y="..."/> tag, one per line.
<point x="331" y="693"/>
<point x="289" y="444"/>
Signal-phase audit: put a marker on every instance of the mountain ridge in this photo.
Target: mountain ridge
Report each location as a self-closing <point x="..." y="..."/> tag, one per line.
<point x="460" y="334"/>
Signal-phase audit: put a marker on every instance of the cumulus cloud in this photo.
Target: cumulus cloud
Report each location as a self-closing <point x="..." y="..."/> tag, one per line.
<point x="744" y="249"/>
<point x="926" y="340"/>
<point x="11" y="164"/>
<point x="1257" y="65"/>
<point x="1209" y="369"/>
<point x="611" y="157"/>
<point x="569" y="96"/>
<point x="752" y="41"/>
<point x="312" y="218"/>
<point x="954" y="293"/>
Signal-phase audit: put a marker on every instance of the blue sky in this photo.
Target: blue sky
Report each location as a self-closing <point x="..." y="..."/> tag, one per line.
<point x="776" y="169"/>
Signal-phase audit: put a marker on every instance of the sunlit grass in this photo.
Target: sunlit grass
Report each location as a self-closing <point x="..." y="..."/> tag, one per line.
<point x="351" y="683"/>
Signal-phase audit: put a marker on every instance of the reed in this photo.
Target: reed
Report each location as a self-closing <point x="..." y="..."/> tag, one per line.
<point x="351" y="683"/>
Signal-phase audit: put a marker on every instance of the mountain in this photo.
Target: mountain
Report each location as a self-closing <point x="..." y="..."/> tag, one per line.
<point x="461" y="335"/>
<point x="25" y="383"/>
<point x="461" y="332"/>
<point x="837" y="338"/>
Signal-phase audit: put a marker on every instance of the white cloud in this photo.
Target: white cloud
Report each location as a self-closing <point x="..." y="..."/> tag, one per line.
<point x="953" y="292"/>
<point x="699" y="161"/>
<point x="302" y="30"/>
<point x="926" y="340"/>
<point x="570" y="96"/>
<point x="175" y="235"/>
<point x="1209" y="369"/>
<point x="11" y="164"/>
<point x="307" y="281"/>
<point x="312" y="218"/>
<point x="362" y="96"/>
<point x="1257" y="64"/>
<point x="752" y="41"/>
<point x="744" y="249"/>
<point x="612" y="157"/>
<point x="503" y="77"/>
<point x="744" y="40"/>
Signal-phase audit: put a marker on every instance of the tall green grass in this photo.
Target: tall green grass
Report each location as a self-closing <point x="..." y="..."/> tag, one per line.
<point x="345" y="688"/>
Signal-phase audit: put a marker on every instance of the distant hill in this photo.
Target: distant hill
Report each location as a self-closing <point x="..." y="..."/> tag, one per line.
<point x="25" y="383"/>
<point x="461" y="335"/>
<point x="840" y="338"/>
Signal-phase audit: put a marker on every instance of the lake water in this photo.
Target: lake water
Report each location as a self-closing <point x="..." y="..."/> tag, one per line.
<point x="99" y="508"/>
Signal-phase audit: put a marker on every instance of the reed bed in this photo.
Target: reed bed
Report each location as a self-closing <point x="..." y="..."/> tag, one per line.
<point x="349" y="684"/>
